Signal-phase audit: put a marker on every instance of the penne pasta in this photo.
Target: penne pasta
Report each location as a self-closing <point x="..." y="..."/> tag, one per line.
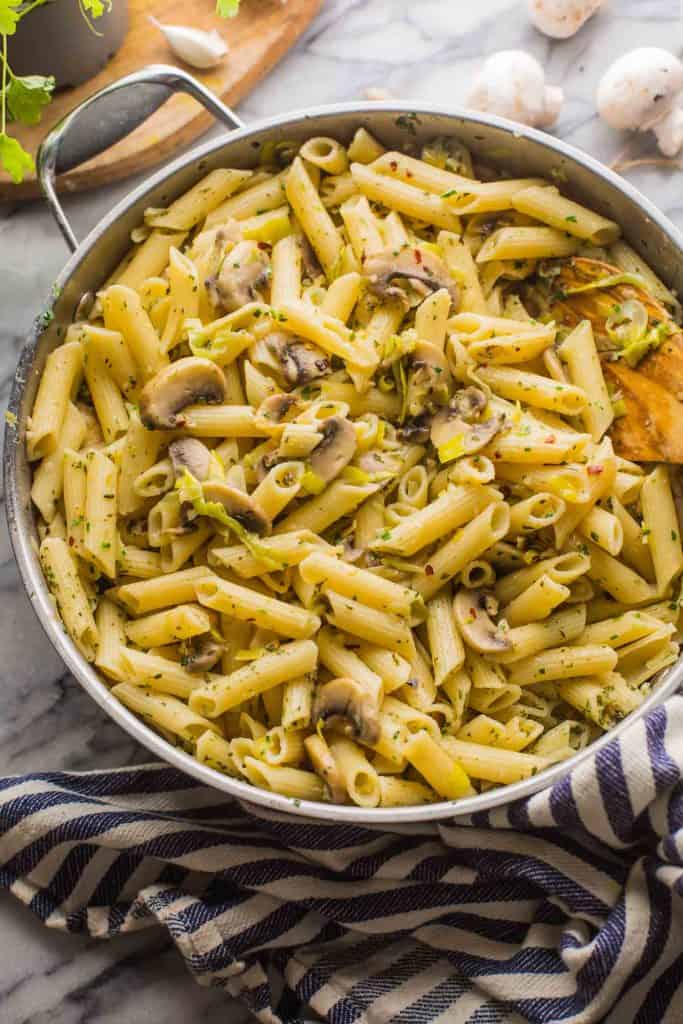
<point x="324" y="481"/>
<point x="545" y="203"/>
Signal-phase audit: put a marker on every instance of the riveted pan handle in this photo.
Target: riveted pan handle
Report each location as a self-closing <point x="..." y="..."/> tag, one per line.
<point x="107" y="117"/>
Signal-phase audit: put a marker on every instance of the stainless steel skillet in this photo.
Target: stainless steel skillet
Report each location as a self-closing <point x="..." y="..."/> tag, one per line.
<point x="112" y="114"/>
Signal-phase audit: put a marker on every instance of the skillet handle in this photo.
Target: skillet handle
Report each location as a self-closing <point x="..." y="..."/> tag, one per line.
<point x="107" y="117"/>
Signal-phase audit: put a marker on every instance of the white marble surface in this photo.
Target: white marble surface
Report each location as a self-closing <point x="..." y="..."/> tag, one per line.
<point x="419" y="49"/>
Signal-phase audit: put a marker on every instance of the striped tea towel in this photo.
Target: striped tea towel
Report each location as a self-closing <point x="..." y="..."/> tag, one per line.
<point x="563" y="907"/>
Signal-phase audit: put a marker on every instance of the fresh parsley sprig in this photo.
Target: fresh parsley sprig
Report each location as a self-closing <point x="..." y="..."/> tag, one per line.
<point x="23" y="99"/>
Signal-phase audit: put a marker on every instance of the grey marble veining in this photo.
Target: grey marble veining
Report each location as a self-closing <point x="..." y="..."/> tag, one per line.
<point x="418" y="49"/>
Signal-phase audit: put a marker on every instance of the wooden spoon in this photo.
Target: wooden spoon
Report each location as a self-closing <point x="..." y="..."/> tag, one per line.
<point x="652" y="428"/>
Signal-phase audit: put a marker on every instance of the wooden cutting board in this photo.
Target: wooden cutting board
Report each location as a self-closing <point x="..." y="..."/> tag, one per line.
<point x="258" y="37"/>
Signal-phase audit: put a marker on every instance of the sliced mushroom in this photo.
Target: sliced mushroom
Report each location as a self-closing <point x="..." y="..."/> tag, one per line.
<point x="238" y="505"/>
<point x="188" y="522"/>
<point x="415" y="430"/>
<point x="191" y="454"/>
<point x="375" y="461"/>
<point x="346" y="705"/>
<point x="276" y="408"/>
<point x="335" y="450"/>
<point x="460" y="418"/>
<point x="245" y="269"/>
<point x="423" y="271"/>
<point x="294" y="360"/>
<point x="470" y="403"/>
<point x="429" y="379"/>
<point x="135" y="528"/>
<point x="475" y="436"/>
<point x="326" y="767"/>
<point x="178" y="385"/>
<point x="266" y="463"/>
<point x="201" y="653"/>
<point x="472" y="610"/>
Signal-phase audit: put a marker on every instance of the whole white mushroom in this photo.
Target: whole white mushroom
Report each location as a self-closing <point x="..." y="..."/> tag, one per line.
<point x="561" y="19"/>
<point x="640" y="92"/>
<point x="511" y="83"/>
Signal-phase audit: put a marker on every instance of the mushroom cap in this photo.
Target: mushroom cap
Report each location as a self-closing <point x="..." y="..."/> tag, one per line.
<point x="346" y="705"/>
<point x="429" y="382"/>
<point x="475" y="436"/>
<point x="335" y="449"/>
<point x="469" y="403"/>
<point x="266" y="462"/>
<point x="471" y="613"/>
<point x="279" y="407"/>
<point x="376" y="461"/>
<point x="244" y="269"/>
<point x="238" y="505"/>
<point x="415" y="429"/>
<point x="561" y="19"/>
<point x="461" y="417"/>
<point x="639" y="89"/>
<point x="298" y="361"/>
<point x="182" y="383"/>
<point x="511" y="83"/>
<point x="425" y="272"/>
<point x="201" y="653"/>
<point x="191" y="454"/>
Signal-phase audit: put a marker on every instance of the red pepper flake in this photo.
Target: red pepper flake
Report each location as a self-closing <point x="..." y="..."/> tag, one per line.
<point x="550" y="439"/>
<point x="418" y="255"/>
<point x="409" y="174"/>
<point x="394" y="165"/>
<point x="429" y="570"/>
<point x="595" y="470"/>
<point x="265" y="246"/>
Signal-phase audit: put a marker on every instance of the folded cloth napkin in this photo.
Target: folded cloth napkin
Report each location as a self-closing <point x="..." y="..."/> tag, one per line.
<point x="566" y="906"/>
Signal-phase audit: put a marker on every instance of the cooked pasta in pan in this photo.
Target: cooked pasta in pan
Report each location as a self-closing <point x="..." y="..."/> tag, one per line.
<point x="331" y="485"/>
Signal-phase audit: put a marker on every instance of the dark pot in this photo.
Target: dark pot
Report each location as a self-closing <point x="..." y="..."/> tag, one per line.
<point x="57" y="40"/>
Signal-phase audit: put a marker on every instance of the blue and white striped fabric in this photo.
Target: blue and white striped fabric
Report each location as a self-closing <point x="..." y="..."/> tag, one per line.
<point x="566" y="907"/>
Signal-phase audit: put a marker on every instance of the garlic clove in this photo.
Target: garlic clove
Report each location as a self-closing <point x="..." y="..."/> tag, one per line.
<point x="194" y="46"/>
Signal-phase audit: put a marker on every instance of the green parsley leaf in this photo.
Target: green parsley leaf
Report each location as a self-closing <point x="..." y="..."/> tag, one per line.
<point x="9" y="16"/>
<point x="192" y="491"/>
<point x="13" y="157"/>
<point x="227" y="8"/>
<point x="27" y="96"/>
<point x="95" y="7"/>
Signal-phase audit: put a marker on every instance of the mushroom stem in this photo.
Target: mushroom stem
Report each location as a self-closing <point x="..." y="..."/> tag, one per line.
<point x="554" y="98"/>
<point x="669" y="132"/>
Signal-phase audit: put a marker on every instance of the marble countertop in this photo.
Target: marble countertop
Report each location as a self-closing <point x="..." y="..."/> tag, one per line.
<point x="425" y="50"/>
